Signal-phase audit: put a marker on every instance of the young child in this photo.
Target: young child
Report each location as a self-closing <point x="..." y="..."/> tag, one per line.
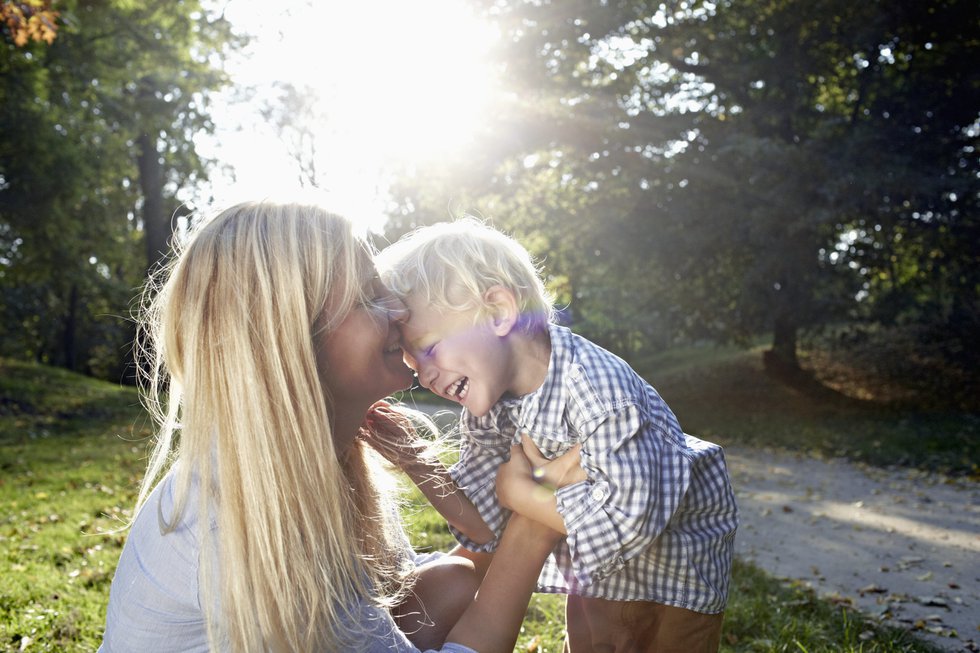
<point x="650" y="517"/>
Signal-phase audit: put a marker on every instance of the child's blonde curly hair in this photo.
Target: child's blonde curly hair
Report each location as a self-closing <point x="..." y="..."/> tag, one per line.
<point x="452" y="265"/>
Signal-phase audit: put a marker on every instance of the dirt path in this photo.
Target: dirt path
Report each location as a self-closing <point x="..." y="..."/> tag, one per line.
<point x="902" y="546"/>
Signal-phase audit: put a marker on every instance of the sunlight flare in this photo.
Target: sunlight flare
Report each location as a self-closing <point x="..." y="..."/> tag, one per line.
<point x="382" y="85"/>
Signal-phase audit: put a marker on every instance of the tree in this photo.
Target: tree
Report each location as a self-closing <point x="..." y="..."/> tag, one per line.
<point x="773" y="158"/>
<point x="96" y="141"/>
<point x="29" y="21"/>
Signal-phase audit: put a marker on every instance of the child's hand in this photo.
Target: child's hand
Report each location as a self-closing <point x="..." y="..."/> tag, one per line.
<point x="564" y="470"/>
<point x="391" y="434"/>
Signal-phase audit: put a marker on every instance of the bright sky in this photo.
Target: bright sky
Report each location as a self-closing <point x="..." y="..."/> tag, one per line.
<point x="398" y="82"/>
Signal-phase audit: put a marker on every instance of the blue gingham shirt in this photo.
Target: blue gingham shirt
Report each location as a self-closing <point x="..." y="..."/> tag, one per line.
<point x="656" y="519"/>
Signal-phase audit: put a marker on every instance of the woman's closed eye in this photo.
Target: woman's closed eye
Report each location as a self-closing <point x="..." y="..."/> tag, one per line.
<point x="387" y="305"/>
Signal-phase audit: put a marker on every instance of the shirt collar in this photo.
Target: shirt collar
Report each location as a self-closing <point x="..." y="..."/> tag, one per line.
<point x="541" y="412"/>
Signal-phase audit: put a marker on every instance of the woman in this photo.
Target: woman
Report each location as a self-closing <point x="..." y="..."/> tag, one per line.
<point x="261" y="524"/>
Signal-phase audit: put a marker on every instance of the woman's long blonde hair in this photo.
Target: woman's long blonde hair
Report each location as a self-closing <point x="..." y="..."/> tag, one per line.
<point x="231" y="375"/>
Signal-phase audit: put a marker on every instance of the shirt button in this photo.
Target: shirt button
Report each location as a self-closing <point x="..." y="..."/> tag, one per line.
<point x="598" y="494"/>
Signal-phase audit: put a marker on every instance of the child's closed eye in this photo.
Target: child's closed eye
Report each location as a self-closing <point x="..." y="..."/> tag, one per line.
<point x="420" y="353"/>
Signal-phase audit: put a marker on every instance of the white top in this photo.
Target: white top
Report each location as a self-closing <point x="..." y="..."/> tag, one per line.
<point x="155" y="603"/>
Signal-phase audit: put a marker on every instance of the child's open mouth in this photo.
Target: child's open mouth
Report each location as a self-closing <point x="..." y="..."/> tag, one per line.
<point x="459" y="389"/>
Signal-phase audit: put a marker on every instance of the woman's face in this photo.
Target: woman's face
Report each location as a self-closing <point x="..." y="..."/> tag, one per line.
<point x="361" y="360"/>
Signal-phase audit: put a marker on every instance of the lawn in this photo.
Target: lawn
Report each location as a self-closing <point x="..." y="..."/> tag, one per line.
<point x="72" y="451"/>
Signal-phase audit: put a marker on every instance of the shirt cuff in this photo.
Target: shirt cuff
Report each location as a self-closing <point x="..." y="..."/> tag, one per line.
<point x="449" y="647"/>
<point x="470" y="545"/>
<point x="579" y="505"/>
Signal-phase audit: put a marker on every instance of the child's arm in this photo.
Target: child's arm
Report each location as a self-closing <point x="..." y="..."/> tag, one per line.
<point x="392" y="435"/>
<point x="526" y="484"/>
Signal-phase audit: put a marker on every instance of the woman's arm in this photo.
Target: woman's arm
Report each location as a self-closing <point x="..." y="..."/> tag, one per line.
<point x="392" y="435"/>
<point x="492" y="622"/>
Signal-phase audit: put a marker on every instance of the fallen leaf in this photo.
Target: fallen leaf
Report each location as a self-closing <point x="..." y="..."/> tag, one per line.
<point x="936" y="601"/>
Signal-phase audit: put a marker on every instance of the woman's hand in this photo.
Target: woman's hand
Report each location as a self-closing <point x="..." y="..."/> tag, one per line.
<point x="392" y="435"/>
<point x="564" y="470"/>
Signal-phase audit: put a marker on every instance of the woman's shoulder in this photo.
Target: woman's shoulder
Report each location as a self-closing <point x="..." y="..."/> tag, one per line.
<point x="154" y="599"/>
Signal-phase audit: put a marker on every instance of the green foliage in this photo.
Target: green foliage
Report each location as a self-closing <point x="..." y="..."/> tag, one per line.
<point x="73" y="193"/>
<point x="743" y="167"/>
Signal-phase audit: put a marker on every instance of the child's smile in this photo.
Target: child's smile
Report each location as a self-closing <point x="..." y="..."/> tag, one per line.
<point x="459" y="389"/>
<point x="457" y="355"/>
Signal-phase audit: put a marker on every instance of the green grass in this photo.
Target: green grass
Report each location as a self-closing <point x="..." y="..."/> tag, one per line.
<point x="72" y="451"/>
<point x="70" y="461"/>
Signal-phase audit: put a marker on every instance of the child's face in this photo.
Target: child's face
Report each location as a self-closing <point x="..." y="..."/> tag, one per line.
<point x="457" y="355"/>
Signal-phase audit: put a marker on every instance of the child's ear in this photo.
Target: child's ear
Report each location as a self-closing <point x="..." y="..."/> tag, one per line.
<point x="501" y="304"/>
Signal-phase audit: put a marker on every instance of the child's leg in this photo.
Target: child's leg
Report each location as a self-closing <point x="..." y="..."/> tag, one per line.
<point x="644" y="627"/>
<point x="578" y="637"/>
<point x="444" y="589"/>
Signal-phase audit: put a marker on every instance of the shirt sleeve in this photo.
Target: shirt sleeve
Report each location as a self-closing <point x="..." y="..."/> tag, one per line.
<point x="483" y="448"/>
<point x="638" y="473"/>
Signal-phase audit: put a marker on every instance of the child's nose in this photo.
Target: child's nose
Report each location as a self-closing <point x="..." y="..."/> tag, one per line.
<point x="427" y="374"/>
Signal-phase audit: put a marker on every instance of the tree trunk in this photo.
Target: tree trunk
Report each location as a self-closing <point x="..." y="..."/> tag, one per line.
<point x="156" y="225"/>
<point x="784" y="334"/>
<point x="69" y="331"/>
<point x="781" y="360"/>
